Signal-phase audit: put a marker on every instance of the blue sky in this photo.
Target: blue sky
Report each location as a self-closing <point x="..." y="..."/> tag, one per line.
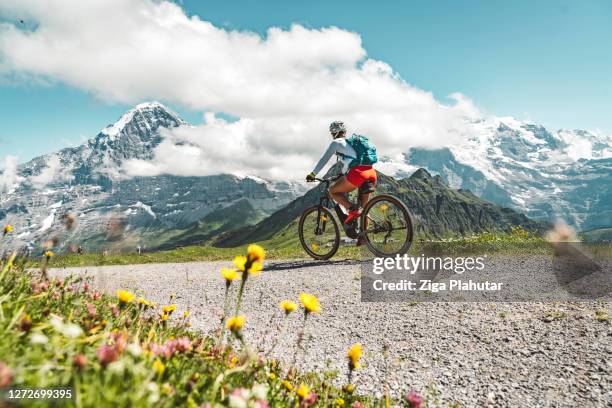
<point x="546" y="61"/>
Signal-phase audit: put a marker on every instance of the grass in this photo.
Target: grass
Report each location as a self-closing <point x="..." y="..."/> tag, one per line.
<point x="126" y="352"/>
<point x="286" y="245"/>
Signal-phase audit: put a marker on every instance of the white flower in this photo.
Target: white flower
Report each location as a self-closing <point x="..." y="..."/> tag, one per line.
<point x="71" y="330"/>
<point x="260" y="391"/>
<point x="57" y="322"/>
<point x="117" y="367"/>
<point x="38" y="338"/>
<point x="239" y="398"/>
<point x="134" y="349"/>
<point x="153" y="389"/>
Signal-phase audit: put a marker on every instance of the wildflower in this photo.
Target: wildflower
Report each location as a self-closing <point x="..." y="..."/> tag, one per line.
<point x="414" y="399"/>
<point x="302" y="391"/>
<point x="6" y="375"/>
<point x="49" y="255"/>
<point x="349" y="388"/>
<point x="71" y="330"/>
<point x="287" y="385"/>
<point x="245" y="264"/>
<point x="354" y="354"/>
<point x="357" y="404"/>
<point x="96" y="295"/>
<point x="144" y="303"/>
<point x="115" y="310"/>
<point x="229" y="275"/>
<point x="384" y="207"/>
<point x="158" y="366"/>
<point x="235" y="323"/>
<point x="79" y="361"/>
<point x="185" y="314"/>
<point x="107" y="354"/>
<point x="91" y="310"/>
<point x="288" y="306"/>
<point x="259" y="391"/>
<point x="255" y="253"/>
<point x="339" y="402"/>
<point x="134" y="349"/>
<point x="85" y="287"/>
<point x="310" y="303"/>
<point x="8" y="229"/>
<point x="26" y="323"/>
<point x="125" y="296"/>
<point x="272" y="376"/>
<point x="239" y="398"/>
<point x="39" y="338"/>
<point x="163" y="317"/>
<point x="169" y="309"/>
<point x="310" y="400"/>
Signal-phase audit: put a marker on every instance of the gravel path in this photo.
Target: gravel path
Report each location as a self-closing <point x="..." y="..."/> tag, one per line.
<point x="476" y="354"/>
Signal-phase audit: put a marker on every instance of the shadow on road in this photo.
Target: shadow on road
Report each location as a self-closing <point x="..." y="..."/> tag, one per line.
<point x="299" y="264"/>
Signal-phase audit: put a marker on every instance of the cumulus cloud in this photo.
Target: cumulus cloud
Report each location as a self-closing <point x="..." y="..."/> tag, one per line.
<point x="54" y="172"/>
<point x="285" y="86"/>
<point x="9" y="178"/>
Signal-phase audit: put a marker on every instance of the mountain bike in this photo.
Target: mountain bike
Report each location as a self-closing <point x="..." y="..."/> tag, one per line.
<point x="385" y="225"/>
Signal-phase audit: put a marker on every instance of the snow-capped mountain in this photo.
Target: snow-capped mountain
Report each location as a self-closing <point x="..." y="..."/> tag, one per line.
<point x="86" y="181"/>
<point x="544" y="174"/>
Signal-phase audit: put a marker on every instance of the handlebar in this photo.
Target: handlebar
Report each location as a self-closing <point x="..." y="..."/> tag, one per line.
<point x="328" y="180"/>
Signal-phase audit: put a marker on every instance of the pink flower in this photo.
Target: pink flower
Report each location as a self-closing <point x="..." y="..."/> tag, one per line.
<point x="115" y="310"/>
<point x="91" y="309"/>
<point x="96" y="295"/>
<point x="107" y="354"/>
<point x="80" y="361"/>
<point x="120" y="341"/>
<point x="357" y="404"/>
<point x="261" y="404"/>
<point x="85" y="287"/>
<point x="6" y="375"/>
<point x="414" y="399"/>
<point x="183" y="345"/>
<point x="310" y="400"/>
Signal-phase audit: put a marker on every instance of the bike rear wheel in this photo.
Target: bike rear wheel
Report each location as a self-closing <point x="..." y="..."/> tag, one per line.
<point x="319" y="233"/>
<point x="389" y="229"/>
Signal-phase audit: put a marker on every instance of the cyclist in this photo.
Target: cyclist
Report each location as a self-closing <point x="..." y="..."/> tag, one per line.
<point x="357" y="157"/>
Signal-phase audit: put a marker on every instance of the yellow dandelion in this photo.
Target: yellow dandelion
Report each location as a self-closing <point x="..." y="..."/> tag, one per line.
<point x="287" y="385"/>
<point x="314" y="247"/>
<point x="163" y="317"/>
<point x="49" y="254"/>
<point x="256" y="253"/>
<point x="240" y="262"/>
<point x="125" y="296"/>
<point x="144" y="302"/>
<point x="354" y="354"/>
<point x="169" y="309"/>
<point x="158" y="366"/>
<point x="323" y="217"/>
<point x="339" y="402"/>
<point x="8" y="229"/>
<point x="302" y="391"/>
<point x="384" y="207"/>
<point x="349" y="388"/>
<point x="235" y="323"/>
<point x="310" y="303"/>
<point x="288" y="306"/>
<point x="229" y="274"/>
<point x="185" y="314"/>
<point x="255" y="268"/>
<point x="272" y="376"/>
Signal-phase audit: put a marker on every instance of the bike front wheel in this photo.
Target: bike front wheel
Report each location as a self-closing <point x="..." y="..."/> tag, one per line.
<point x="319" y="233"/>
<point x="387" y="225"/>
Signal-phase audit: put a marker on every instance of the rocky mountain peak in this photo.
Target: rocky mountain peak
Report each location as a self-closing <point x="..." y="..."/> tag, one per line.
<point x="143" y="118"/>
<point x="421" y="174"/>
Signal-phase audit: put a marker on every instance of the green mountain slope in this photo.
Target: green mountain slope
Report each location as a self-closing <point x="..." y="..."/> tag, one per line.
<point x="439" y="212"/>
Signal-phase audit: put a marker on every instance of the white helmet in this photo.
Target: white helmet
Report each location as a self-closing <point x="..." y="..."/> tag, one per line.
<point x="337" y="127"/>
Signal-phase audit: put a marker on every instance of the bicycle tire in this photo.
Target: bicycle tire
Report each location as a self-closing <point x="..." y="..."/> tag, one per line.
<point x="330" y="217"/>
<point x="407" y="216"/>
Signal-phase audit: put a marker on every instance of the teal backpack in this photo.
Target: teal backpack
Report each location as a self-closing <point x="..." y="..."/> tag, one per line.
<point x="366" y="152"/>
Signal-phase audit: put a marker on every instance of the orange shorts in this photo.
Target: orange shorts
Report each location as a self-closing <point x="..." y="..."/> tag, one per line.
<point x="359" y="174"/>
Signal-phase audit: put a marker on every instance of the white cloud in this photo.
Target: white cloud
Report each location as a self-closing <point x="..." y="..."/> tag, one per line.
<point x="9" y="179"/>
<point x="53" y="172"/>
<point x="285" y="87"/>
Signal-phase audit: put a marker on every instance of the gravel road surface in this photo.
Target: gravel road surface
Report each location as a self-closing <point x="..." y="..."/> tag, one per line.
<point x="553" y="354"/>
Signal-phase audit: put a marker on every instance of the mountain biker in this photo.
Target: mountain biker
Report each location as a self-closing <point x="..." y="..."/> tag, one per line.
<point x="357" y="173"/>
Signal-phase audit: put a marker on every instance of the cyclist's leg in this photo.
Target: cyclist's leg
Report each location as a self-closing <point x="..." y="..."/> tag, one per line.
<point x="339" y="188"/>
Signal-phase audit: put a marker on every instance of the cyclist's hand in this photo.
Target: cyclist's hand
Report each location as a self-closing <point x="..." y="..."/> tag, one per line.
<point x="311" y="177"/>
